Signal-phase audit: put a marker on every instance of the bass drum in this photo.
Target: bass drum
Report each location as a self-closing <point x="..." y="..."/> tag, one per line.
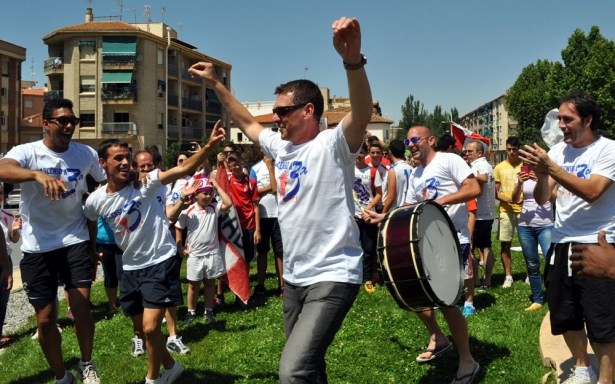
<point x="420" y="257"/>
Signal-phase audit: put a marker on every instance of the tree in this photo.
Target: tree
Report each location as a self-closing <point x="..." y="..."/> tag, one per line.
<point x="413" y="113"/>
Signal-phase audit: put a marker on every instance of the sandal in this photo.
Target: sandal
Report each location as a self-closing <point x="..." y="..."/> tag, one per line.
<point x="435" y="352"/>
<point x="471" y="376"/>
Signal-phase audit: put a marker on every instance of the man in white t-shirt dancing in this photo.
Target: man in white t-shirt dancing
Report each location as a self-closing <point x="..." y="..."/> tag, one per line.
<point x="150" y="279"/>
<point x="581" y="169"/>
<point x="55" y="239"/>
<point x="314" y="174"/>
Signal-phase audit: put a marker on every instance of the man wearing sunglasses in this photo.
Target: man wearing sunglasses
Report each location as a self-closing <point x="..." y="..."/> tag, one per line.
<point x="314" y="172"/>
<point x="55" y="238"/>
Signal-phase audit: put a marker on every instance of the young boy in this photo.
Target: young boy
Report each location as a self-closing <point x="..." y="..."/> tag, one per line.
<point x="204" y="263"/>
<point x="150" y="282"/>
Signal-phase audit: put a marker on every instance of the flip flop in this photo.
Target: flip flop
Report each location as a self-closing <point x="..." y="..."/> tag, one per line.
<point x="471" y="375"/>
<point x="435" y="352"/>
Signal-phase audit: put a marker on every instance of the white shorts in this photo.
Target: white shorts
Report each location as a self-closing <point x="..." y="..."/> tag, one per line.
<point x="204" y="267"/>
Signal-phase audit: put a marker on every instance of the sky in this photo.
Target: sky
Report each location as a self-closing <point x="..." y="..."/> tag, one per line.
<point x="451" y="53"/>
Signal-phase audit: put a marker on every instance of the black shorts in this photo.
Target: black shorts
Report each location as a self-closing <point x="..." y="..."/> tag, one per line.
<point x="111" y="263"/>
<point x="40" y="272"/>
<point x="155" y="287"/>
<point x="247" y="239"/>
<point x="270" y="232"/>
<point x="575" y="302"/>
<point x="482" y="233"/>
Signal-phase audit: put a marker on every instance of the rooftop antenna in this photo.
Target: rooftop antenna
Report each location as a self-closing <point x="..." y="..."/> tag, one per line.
<point x="90" y="3"/>
<point x="134" y="12"/>
<point x="305" y="70"/>
<point x="163" y="10"/>
<point x="32" y="74"/>
<point x="120" y="2"/>
<point x="181" y="30"/>
<point x="147" y="13"/>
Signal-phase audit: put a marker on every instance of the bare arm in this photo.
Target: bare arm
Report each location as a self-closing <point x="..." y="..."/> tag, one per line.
<point x="179" y="239"/>
<point x="469" y="190"/>
<point x="7" y="271"/>
<point x="194" y="161"/>
<point x="12" y="172"/>
<point x="227" y="203"/>
<point x="240" y="115"/>
<point x="347" y="43"/>
<point x="93" y="232"/>
<point x="376" y="199"/>
<point x="391" y="190"/>
<point x="257" y="220"/>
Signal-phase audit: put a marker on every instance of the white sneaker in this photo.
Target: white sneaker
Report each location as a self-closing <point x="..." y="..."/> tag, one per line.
<point x="87" y="373"/>
<point x="508" y="282"/>
<point x="137" y="347"/>
<point x="177" y="346"/>
<point x="581" y="379"/>
<point x="169" y="376"/>
<point x="35" y="336"/>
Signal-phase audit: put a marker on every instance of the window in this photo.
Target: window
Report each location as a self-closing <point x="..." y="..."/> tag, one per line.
<point x="2" y="120"/>
<point x="160" y="57"/>
<point x="239" y="137"/>
<point x="160" y="121"/>
<point x="161" y="88"/>
<point x="88" y="119"/>
<point x="5" y="91"/>
<point x="28" y="104"/>
<point x="87" y="52"/>
<point x="88" y="84"/>
<point x="121" y="117"/>
<point x="5" y="69"/>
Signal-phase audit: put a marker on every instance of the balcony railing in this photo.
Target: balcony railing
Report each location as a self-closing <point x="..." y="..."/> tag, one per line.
<point x="128" y="128"/>
<point x="196" y="105"/>
<point x="53" y="65"/>
<point x="214" y="107"/>
<point x="192" y="133"/>
<point x="53" y="95"/>
<point x="173" y="100"/>
<point x="186" y="75"/>
<point x="173" y="70"/>
<point x="117" y="94"/>
<point x="173" y="131"/>
<point x="119" y="62"/>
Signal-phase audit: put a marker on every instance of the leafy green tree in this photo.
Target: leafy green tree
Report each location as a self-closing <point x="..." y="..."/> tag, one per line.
<point x="171" y="154"/>
<point x="413" y="113"/>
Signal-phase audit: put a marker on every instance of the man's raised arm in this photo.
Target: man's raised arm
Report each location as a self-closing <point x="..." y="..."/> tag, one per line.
<point x="347" y="43"/>
<point x="244" y="120"/>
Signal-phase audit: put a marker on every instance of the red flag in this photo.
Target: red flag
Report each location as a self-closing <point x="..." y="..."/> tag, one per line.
<point x="231" y="245"/>
<point x="463" y="136"/>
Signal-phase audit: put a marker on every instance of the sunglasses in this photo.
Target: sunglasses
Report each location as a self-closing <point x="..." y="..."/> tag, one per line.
<point x="413" y="140"/>
<point x="143" y="167"/>
<point x="227" y="152"/>
<point x="281" y="111"/>
<point x="63" y="120"/>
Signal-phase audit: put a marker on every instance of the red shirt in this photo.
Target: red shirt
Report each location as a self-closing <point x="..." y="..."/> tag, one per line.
<point x="244" y="192"/>
<point x="384" y="161"/>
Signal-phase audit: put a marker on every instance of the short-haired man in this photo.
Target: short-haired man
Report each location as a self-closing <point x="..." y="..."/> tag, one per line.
<point x="485" y="213"/>
<point x="150" y="280"/>
<point x="505" y="175"/>
<point x="322" y="260"/>
<point x="402" y="171"/>
<point x="447" y="179"/>
<point x="446" y="143"/>
<point x="581" y="170"/>
<point x="63" y="247"/>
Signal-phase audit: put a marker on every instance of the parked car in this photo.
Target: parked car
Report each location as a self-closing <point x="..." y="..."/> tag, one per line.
<point x="13" y="197"/>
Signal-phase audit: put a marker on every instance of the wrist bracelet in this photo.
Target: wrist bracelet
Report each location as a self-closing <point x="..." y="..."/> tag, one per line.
<point x="360" y="64"/>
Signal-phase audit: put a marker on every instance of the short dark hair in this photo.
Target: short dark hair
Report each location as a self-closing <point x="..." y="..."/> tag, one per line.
<point x="152" y="148"/>
<point x="513" y="141"/>
<point x="444" y="142"/>
<point x="103" y="148"/>
<point x="372" y="139"/>
<point x="233" y="157"/>
<point x="155" y="154"/>
<point x="53" y="104"/>
<point x="230" y="144"/>
<point x="586" y="105"/>
<point x="397" y="148"/>
<point x="376" y="144"/>
<point x="134" y="157"/>
<point x="303" y="92"/>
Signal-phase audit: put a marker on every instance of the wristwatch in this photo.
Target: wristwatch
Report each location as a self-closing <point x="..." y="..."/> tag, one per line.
<point x="360" y="64"/>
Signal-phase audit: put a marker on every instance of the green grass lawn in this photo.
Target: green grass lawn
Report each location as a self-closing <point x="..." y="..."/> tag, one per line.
<point x="378" y="342"/>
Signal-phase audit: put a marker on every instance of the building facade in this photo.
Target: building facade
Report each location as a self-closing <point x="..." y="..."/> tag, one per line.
<point x="131" y="81"/>
<point x="31" y="121"/>
<point x="491" y="120"/>
<point x="11" y="57"/>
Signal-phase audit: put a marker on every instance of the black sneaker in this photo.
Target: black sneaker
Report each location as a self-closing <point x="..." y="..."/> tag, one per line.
<point x="241" y="305"/>
<point x="209" y="317"/>
<point x="189" y="318"/>
<point x="259" y="290"/>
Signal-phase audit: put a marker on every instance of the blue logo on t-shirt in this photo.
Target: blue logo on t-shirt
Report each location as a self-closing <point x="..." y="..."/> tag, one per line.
<point x="291" y="171"/>
<point x="128" y="215"/>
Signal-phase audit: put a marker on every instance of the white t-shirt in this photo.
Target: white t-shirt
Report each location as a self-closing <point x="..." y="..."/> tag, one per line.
<point x="363" y="187"/>
<point x="315" y="207"/>
<point x="49" y="225"/>
<point x="202" y="227"/>
<point x="485" y="203"/>
<point x="382" y="172"/>
<point x="176" y="190"/>
<point x="403" y="172"/>
<point x="6" y="225"/>
<point x="575" y="219"/>
<point x="441" y="177"/>
<point x="138" y="221"/>
<point x="268" y="203"/>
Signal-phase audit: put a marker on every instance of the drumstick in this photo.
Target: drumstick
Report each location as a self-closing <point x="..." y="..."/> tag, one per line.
<point x="356" y="199"/>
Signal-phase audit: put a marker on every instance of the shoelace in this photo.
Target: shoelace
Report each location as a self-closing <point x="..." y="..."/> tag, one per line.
<point x="139" y="343"/>
<point x="90" y="372"/>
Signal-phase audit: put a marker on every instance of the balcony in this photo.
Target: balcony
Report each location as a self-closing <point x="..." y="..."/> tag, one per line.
<point x="187" y="76"/>
<point x="173" y="100"/>
<point x="119" y="62"/>
<point x="122" y="95"/>
<point x="173" y="70"/>
<point x="214" y="107"/>
<point x="128" y="128"/>
<point x="53" y="95"/>
<point x="53" y="66"/>
<point x="190" y="133"/>
<point x="173" y="131"/>
<point x="194" y="104"/>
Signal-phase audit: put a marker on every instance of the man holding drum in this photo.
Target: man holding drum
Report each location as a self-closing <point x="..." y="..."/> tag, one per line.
<point x="446" y="179"/>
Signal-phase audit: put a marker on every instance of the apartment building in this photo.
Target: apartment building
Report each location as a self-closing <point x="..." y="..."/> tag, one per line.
<point x="31" y="118"/>
<point x="491" y="120"/>
<point x="131" y="81"/>
<point x="11" y="57"/>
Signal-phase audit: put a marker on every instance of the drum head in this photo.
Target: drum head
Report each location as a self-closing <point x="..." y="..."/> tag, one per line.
<point x="439" y="251"/>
